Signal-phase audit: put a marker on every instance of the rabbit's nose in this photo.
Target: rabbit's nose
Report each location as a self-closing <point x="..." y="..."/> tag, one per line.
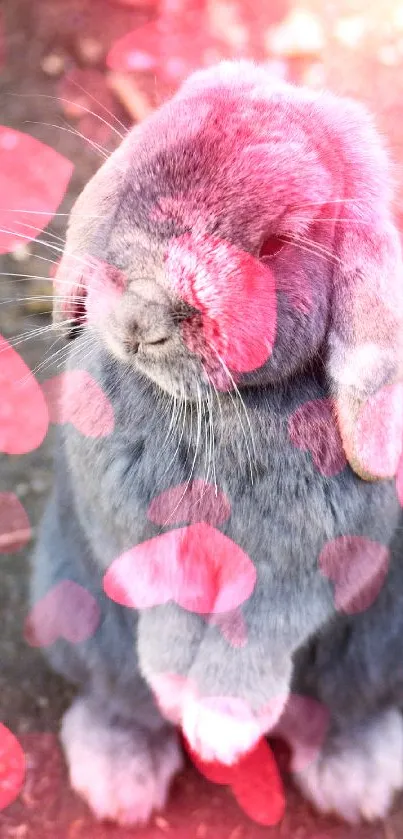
<point x="150" y="329"/>
<point x="147" y="317"/>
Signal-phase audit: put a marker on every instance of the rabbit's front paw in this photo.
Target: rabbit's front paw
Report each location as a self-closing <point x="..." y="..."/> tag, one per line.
<point x="220" y="729"/>
<point x="357" y="773"/>
<point x="124" y="774"/>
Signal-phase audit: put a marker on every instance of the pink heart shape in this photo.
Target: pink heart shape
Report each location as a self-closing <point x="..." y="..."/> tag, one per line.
<point x="67" y="611"/>
<point x="254" y="781"/>
<point x="358" y="568"/>
<point x="75" y="397"/>
<point x="33" y="179"/>
<point x="15" y="529"/>
<point x="197" y="566"/>
<point x="191" y="502"/>
<point x="12" y="767"/>
<point x="235" y="295"/>
<point x="304" y="725"/>
<point x="23" y="412"/>
<point x="43" y="791"/>
<point x="312" y="427"/>
<point x="172" y="46"/>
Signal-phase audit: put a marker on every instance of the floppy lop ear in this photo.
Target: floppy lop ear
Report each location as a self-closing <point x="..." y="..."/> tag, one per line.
<point x="365" y="338"/>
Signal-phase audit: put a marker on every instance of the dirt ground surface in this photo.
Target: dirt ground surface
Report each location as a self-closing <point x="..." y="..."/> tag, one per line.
<point x="32" y="699"/>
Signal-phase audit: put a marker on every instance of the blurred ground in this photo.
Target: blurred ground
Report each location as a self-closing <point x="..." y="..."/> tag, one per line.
<point x="354" y="48"/>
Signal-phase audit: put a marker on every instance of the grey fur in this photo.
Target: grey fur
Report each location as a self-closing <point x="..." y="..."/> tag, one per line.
<point x="283" y="510"/>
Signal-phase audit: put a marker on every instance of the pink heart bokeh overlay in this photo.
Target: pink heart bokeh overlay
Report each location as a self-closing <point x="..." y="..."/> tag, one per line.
<point x="68" y="611"/>
<point x="230" y="289"/>
<point x="312" y="427"/>
<point x="196" y="566"/>
<point x="192" y="502"/>
<point x="75" y="397"/>
<point x="23" y="412"/>
<point x="33" y="179"/>
<point x="12" y="767"/>
<point x="358" y="568"/>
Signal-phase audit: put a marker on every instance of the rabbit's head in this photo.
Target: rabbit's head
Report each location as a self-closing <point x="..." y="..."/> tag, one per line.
<point x="241" y="233"/>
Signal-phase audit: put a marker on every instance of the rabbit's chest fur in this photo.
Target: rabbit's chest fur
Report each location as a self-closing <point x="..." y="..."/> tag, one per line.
<point x="283" y="510"/>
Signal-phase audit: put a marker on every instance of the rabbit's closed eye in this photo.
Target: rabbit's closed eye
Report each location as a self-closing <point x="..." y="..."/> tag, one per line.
<point x="271" y="246"/>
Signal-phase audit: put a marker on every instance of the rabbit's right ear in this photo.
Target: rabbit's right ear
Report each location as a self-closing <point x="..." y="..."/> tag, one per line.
<point x="90" y="215"/>
<point x="365" y="344"/>
<point x="365" y="333"/>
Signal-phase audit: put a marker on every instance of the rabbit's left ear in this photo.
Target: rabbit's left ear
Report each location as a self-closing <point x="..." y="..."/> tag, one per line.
<point x="365" y="342"/>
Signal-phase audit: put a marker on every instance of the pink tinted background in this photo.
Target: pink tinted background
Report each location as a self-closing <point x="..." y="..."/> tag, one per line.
<point x="346" y="47"/>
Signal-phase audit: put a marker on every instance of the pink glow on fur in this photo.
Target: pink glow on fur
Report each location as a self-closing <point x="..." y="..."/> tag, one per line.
<point x="171" y="692"/>
<point x="23" y="413"/>
<point x="67" y="611"/>
<point x="235" y="294"/>
<point x="89" y="287"/>
<point x="304" y="725"/>
<point x="358" y="568"/>
<point x="75" y="397"/>
<point x="379" y="431"/>
<point x="12" y="767"/>
<point x="313" y="428"/>
<point x="233" y="627"/>
<point x="15" y="528"/>
<point x="105" y="285"/>
<point x="399" y="482"/>
<point x="191" y="502"/>
<point x="197" y="566"/>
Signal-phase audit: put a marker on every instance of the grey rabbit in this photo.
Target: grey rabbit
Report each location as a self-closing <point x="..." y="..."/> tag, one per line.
<point x="237" y="173"/>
